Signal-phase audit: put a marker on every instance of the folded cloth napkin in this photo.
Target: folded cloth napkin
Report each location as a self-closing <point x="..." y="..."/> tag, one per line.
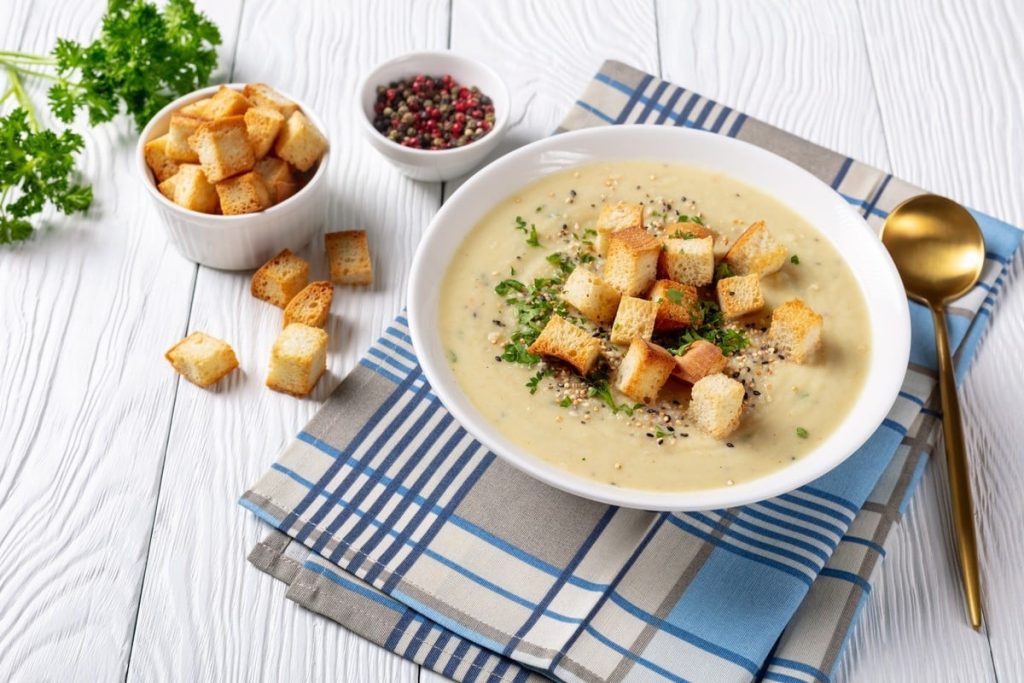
<point x="393" y="521"/>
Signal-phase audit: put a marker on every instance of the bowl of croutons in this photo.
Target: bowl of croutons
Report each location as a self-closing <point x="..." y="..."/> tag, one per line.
<point x="236" y="172"/>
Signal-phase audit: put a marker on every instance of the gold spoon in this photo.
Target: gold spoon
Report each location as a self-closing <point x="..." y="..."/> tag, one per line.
<point x="939" y="251"/>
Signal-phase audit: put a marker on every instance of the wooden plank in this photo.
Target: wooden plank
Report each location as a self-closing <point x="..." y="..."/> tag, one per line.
<point x="88" y="307"/>
<point x="950" y="81"/>
<point x="205" y="613"/>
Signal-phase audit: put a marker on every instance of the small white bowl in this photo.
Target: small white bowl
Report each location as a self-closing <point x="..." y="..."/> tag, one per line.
<point x="236" y="242"/>
<point x="880" y="284"/>
<point x="441" y="164"/>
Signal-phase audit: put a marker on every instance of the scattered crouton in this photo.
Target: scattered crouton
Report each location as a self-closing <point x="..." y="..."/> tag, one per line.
<point x="796" y="330"/>
<point x="262" y="124"/>
<point x="739" y="295"/>
<point x="299" y="142"/>
<point x="688" y="261"/>
<point x="686" y="230"/>
<point x="199" y="108"/>
<point x="634" y="318"/>
<point x="262" y="95"/>
<point x="678" y="306"/>
<point x="280" y="279"/>
<point x="756" y="251"/>
<point x="716" y="403"/>
<point x="277" y="174"/>
<point x="591" y="296"/>
<point x="311" y="306"/>
<point x="190" y="188"/>
<point x="155" y="153"/>
<point x="297" y="359"/>
<point x="180" y="129"/>
<point x="223" y="148"/>
<point x="246" y="193"/>
<point x="615" y="217"/>
<point x="225" y="102"/>
<point x="644" y="370"/>
<point x="565" y="341"/>
<point x="632" y="261"/>
<point x="701" y="359"/>
<point x="202" y="359"/>
<point x="348" y="255"/>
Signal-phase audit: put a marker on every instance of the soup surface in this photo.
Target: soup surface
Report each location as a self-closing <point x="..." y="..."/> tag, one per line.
<point x="586" y="426"/>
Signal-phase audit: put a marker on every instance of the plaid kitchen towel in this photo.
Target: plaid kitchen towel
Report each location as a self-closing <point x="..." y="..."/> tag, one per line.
<point x="392" y="520"/>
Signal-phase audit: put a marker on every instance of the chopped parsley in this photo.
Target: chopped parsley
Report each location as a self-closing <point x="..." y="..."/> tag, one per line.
<point x="795" y="260"/>
<point x="712" y="328"/>
<point x="532" y="240"/>
<point x="565" y="403"/>
<point x="533" y="305"/>
<point x="521" y="224"/>
<point x="679" y="234"/>
<point x="562" y="262"/>
<point x="539" y="209"/>
<point x="660" y="433"/>
<point x="683" y="218"/>
<point x="675" y="296"/>
<point x="534" y="381"/>
<point x="802" y="433"/>
<point x="722" y="271"/>
<point x="600" y="389"/>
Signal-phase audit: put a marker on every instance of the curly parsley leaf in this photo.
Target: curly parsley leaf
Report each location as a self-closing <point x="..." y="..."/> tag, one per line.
<point x="712" y="328"/>
<point x="601" y="390"/>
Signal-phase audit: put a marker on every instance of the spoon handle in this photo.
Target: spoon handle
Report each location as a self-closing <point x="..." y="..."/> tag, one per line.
<point x="959" y="474"/>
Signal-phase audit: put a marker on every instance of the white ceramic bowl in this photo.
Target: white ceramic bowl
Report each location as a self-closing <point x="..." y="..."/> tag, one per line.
<point x="815" y="201"/>
<point x="442" y="164"/>
<point x="236" y="242"/>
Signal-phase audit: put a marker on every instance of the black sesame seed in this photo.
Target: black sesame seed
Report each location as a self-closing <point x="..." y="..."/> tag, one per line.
<point x="497" y="358"/>
<point x="756" y="392"/>
<point x="729" y="444"/>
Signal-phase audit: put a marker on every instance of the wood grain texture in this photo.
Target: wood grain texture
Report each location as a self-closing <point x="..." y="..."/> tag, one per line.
<point x="205" y="613"/>
<point x="87" y="308"/>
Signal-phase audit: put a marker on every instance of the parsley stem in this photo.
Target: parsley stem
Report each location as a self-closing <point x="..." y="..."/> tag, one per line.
<point x="7" y="93"/>
<point x="36" y="74"/>
<point x="9" y="56"/>
<point x="23" y="100"/>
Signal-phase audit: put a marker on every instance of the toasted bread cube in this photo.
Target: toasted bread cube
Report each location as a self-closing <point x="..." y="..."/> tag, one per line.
<point x="615" y="217"/>
<point x="678" y="305"/>
<point x="262" y="124"/>
<point x="246" y="193"/>
<point x="191" y="189"/>
<point x="280" y="279"/>
<point x="632" y="261"/>
<point x="180" y="129"/>
<point x="297" y="359"/>
<point x="756" y="251"/>
<point x="740" y="295"/>
<point x="202" y="359"/>
<point x="262" y="95"/>
<point x="796" y="330"/>
<point x="198" y="109"/>
<point x="716" y="404"/>
<point x="277" y="174"/>
<point x="644" y="370"/>
<point x="701" y="359"/>
<point x="311" y="306"/>
<point x="688" y="261"/>
<point x="591" y="296"/>
<point x="686" y="230"/>
<point x="565" y="341"/>
<point x="226" y="102"/>
<point x="155" y="153"/>
<point x="223" y="148"/>
<point x="299" y="142"/>
<point x="280" y="191"/>
<point x="348" y="255"/>
<point x="634" y="318"/>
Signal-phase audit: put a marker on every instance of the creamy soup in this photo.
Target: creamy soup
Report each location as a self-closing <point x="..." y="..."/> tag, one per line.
<point x="585" y="425"/>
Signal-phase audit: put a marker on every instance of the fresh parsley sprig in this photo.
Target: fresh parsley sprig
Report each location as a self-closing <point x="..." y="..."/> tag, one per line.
<point x="712" y="328"/>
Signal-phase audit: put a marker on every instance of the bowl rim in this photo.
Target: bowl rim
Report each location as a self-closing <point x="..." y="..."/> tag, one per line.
<point x="149" y="180"/>
<point x="876" y="396"/>
<point x="368" y="81"/>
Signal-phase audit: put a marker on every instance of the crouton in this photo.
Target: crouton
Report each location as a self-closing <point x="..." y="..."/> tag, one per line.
<point x="280" y="279"/>
<point x="644" y="370"/>
<point x="716" y="403"/>
<point x="262" y="124"/>
<point x="686" y="230"/>
<point x="262" y="95"/>
<point x="632" y="261"/>
<point x="756" y="251"/>
<point x="199" y="108"/>
<point x="348" y="256"/>
<point x="155" y="153"/>
<point x="701" y="359"/>
<point x="202" y="359"/>
<point x="297" y="359"/>
<point x="591" y="296"/>
<point x="615" y="217"/>
<point x="225" y="102"/>
<point x="180" y="129"/>
<point x="246" y="193"/>
<point x="688" y="261"/>
<point x="311" y="306"/>
<point x="739" y="295"/>
<point x="678" y="305"/>
<point x="796" y="330"/>
<point x="565" y="341"/>
<point x="190" y="188"/>
<point x="634" y="318"/>
<point x="280" y="191"/>
<point x="277" y="174"/>
<point x="223" y="148"/>
<point x="299" y="142"/>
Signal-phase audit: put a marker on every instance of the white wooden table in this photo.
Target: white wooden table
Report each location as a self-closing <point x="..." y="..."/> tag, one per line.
<point x="122" y="550"/>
